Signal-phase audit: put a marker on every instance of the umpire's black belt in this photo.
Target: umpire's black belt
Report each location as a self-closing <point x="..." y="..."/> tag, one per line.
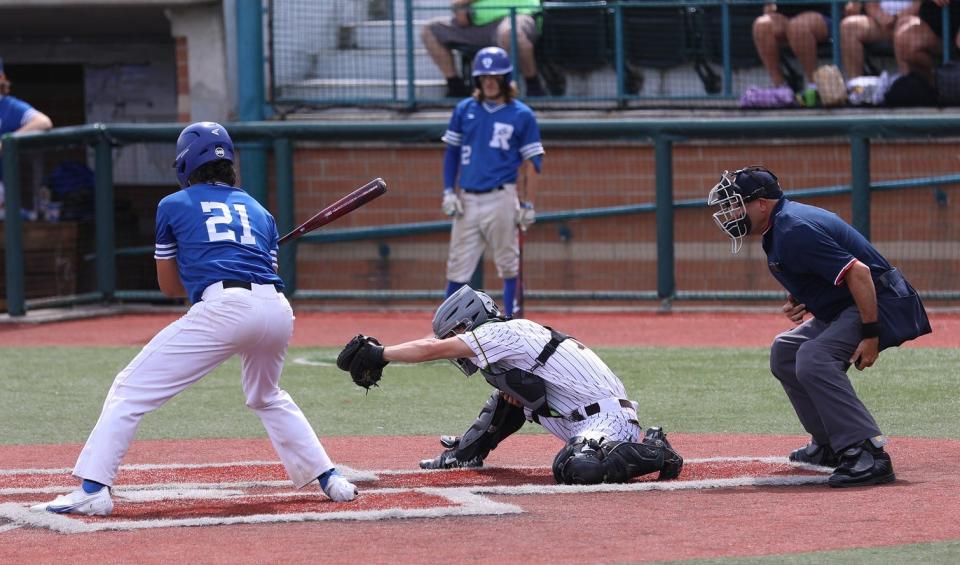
<point x="483" y="190"/>
<point x="595" y="408"/>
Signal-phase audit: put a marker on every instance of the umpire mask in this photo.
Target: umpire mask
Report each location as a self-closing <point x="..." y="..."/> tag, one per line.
<point x="731" y="196"/>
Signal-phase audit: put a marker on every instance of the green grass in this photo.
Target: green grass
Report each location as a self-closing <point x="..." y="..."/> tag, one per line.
<point x="915" y="554"/>
<point x="54" y="395"/>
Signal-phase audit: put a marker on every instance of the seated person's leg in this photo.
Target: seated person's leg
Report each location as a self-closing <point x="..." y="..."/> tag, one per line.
<point x="435" y="36"/>
<point x="915" y="47"/>
<point x="855" y="31"/>
<point x="526" y="38"/>
<point x="769" y="32"/>
<point x="804" y="32"/>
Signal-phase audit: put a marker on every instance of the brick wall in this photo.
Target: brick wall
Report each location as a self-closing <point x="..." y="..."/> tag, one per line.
<point x="910" y="226"/>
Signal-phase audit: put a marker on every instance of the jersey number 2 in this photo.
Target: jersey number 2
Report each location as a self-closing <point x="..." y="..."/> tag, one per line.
<point x="225" y="217"/>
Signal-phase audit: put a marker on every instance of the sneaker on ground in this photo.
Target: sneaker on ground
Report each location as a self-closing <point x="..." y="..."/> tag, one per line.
<point x="861" y="465"/>
<point x="815" y="454"/>
<point x="79" y="502"/>
<point x="338" y="488"/>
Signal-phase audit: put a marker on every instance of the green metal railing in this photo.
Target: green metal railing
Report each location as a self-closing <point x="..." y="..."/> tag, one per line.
<point x="859" y="130"/>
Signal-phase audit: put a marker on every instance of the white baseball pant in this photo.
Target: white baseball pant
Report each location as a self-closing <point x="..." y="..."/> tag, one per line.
<point x="488" y="219"/>
<point x="255" y="324"/>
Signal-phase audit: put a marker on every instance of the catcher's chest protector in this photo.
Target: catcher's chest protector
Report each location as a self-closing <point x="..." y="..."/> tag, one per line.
<point x="525" y="386"/>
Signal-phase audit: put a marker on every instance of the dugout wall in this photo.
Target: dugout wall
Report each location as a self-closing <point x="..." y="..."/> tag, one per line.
<point x="620" y="212"/>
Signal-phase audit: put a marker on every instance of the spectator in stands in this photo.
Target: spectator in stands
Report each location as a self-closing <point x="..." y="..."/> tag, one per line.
<point x="878" y="22"/>
<point x="478" y="24"/>
<point x="802" y="27"/>
<point x="919" y="41"/>
<point x="16" y="115"/>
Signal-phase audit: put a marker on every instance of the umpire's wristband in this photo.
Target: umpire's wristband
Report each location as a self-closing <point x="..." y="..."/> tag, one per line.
<point x="869" y="330"/>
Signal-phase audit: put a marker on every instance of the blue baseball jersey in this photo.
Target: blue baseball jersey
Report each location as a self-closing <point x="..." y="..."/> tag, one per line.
<point x="217" y="232"/>
<point x="809" y="250"/>
<point x="494" y="139"/>
<point x="14" y="114"/>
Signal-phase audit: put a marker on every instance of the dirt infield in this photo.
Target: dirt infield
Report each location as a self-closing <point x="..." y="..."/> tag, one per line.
<point x="696" y="521"/>
<point x="737" y="495"/>
<point x="596" y="329"/>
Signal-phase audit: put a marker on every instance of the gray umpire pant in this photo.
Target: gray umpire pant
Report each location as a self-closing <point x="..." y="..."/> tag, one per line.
<point x="811" y="363"/>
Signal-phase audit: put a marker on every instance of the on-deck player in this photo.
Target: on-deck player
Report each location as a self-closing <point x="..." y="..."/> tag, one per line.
<point x="543" y="376"/>
<point x="217" y="245"/>
<point x="493" y="144"/>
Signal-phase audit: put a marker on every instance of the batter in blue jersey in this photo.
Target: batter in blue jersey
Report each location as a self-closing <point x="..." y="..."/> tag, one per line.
<point x="860" y="305"/>
<point x="490" y="171"/>
<point x="217" y="245"/>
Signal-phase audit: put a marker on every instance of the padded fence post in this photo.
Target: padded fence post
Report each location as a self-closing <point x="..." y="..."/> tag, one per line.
<point x="104" y="214"/>
<point x="283" y="162"/>
<point x="860" y="183"/>
<point x="666" y="283"/>
<point x="408" y="39"/>
<point x="250" y="97"/>
<point x="13" y="227"/>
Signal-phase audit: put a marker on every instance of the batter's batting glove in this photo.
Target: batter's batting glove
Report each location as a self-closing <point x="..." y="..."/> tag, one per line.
<point x="526" y="215"/>
<point x="452" y="206"/>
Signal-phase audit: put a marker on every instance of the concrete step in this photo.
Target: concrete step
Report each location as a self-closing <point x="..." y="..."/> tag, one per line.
<point x="374" y="64"/>
<point x="376" y="34"/>
<point x="357" y="91"/>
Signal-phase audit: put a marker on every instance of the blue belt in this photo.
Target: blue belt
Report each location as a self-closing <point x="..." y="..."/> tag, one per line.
<point x="484" y="191"/>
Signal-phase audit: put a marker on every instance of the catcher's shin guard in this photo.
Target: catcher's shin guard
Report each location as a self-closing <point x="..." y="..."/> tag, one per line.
<point x="497" y="420"/>
<point x="624" y="460"/>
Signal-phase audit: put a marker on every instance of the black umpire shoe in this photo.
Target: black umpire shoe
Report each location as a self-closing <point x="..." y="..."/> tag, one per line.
<point x="815" y="454"/>
<point x="863" y="464"/>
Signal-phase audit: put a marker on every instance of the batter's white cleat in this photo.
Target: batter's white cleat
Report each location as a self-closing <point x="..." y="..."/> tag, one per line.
<point x="79" y="502"/>
<point x="337" y="487"/>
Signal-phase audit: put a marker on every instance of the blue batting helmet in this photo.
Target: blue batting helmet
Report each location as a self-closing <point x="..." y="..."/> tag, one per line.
<point x="492" y="61"/>
<point x="199" y="144"/>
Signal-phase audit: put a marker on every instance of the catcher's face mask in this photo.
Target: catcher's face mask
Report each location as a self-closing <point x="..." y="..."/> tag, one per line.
<point x="731" y="217"/>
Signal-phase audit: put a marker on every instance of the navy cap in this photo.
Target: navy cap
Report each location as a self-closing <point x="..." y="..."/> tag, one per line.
<point x="757" y="182"/>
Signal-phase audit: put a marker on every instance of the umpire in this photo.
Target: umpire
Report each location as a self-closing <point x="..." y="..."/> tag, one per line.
<point x="860" y="304"/>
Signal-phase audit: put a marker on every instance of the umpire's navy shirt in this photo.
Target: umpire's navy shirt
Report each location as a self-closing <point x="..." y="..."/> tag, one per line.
<point x="809" y="250"/>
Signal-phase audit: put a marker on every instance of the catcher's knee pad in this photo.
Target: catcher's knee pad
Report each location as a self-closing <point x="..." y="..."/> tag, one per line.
<point x="580" y="462"/>
<point x="497" y="420"/>
<point x="624" y="460"/>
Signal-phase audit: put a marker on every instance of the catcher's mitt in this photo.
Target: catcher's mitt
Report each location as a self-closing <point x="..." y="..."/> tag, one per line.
<point x="362" y="357"/>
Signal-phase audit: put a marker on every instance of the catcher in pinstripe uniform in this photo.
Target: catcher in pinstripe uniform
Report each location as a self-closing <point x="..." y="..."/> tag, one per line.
<point x="540" y="375"/>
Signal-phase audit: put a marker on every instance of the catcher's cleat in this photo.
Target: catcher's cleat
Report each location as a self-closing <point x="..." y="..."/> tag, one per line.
<point x="338" y="488"/>
<point x="79" y="502"/>
<point x="447" y="460"/>
<point x="672" y="461"/>
<point x="861" y="465"/>
<point x="815" y="454"/>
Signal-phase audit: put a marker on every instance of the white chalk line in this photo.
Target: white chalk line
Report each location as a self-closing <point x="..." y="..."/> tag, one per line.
<point x="466" y="500"/>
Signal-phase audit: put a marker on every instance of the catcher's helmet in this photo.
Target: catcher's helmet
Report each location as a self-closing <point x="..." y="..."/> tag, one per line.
<point x="199" y="144"/>
<point x="492" y="61"/>
<point x="731" y="195"/>
<point x="464" y="310"/>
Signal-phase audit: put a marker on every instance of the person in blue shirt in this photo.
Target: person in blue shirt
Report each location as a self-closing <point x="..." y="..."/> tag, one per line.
<point x="860" y="305"/>
<point x="16" y="116"/>
<point x="490" y="171"/>
<point x="218" y="246"/>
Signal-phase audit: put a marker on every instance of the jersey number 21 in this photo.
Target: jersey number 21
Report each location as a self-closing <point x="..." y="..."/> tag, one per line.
<point x="223" y="216"/>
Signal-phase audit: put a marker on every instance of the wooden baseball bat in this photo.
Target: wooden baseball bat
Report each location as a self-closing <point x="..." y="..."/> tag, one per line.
<point x="345" y="205"/>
